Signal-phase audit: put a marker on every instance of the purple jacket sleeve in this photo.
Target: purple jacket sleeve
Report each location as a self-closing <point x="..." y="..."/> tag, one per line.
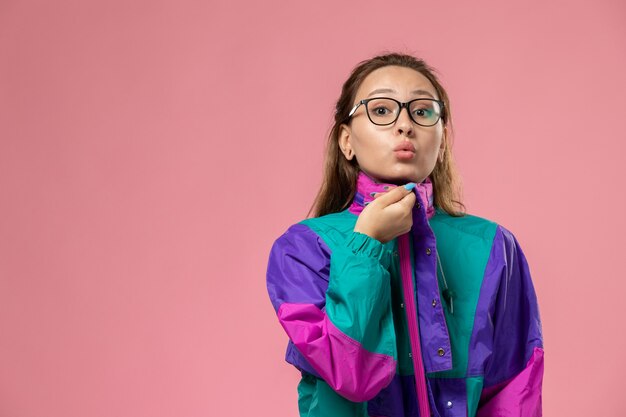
<point x="514" y="373"/>
<point x="317" y="297"/>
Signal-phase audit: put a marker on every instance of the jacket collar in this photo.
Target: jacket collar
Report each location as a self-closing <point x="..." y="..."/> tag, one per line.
<point x="366" y="185"/>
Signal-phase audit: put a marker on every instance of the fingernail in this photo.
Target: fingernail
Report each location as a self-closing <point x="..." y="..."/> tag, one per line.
<point x="372" y="193"/>
<point x="409" y="186"/>
<point x="386" y="187"/>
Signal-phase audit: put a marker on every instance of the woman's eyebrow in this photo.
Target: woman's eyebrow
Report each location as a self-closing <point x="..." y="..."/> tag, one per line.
<point x="422" y="93"/>
<point x="381" y="90"/>
<point x="390" y="90"/>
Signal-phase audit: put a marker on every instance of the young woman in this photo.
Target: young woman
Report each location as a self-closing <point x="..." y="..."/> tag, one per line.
<point x="397" y="302"/>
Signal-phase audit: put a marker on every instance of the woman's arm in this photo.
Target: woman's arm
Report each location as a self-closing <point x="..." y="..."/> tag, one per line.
<point x="336" y="308"/>
<point x="514" y="373"/>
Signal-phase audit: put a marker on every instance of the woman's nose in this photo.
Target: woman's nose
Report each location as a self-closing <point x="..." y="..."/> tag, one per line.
<point x="404" y="124"/>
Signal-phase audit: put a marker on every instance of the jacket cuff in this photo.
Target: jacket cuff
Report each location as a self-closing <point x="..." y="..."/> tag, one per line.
<point x="364" y="245"/>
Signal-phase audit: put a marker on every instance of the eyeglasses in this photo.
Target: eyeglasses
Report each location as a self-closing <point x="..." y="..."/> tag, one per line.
<point x="383" y="111"/>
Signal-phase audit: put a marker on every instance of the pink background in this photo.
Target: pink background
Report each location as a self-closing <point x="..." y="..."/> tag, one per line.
<point x="151" y="152"/>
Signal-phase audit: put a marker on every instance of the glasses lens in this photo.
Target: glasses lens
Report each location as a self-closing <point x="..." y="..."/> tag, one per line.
<point x="425" y="112"/>
<point x="382" y="111"/>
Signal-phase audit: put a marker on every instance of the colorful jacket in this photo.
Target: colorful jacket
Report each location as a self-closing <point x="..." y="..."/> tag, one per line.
<point x="357" y="323"/>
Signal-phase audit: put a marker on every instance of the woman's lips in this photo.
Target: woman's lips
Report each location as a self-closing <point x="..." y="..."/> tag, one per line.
<point x="404" y="154"/>
<point x="404" y="150"/>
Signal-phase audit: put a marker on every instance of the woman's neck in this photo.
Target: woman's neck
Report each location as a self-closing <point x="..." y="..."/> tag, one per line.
<point x="366" y="186"/>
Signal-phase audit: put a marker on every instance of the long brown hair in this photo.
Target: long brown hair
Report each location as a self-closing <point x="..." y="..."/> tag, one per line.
<point x="340" y="175"/>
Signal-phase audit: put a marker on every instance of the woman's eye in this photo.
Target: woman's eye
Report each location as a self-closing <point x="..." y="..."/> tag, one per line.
<point x="423" y="112"/>
<point x="381" y="111"/>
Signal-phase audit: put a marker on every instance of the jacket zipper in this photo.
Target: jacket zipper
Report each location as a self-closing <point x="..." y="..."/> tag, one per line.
<point x="414" y="335"/>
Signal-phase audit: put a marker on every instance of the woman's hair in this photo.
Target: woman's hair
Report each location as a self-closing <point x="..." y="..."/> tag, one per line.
<point x="340" y="175"/>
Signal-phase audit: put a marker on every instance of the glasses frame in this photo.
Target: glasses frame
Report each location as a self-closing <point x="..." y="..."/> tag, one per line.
<point x="402" y="105"/>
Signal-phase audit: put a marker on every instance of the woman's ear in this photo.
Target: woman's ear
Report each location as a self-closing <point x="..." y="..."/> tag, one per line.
<point x="344" y="142"/>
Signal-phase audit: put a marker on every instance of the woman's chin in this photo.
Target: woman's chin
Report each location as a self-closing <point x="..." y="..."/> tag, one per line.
<point x="397" y="180"/>
<point x="400" y="177"/>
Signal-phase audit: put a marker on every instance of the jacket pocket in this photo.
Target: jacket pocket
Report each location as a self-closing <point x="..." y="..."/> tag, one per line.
<point x="449" y="396"/>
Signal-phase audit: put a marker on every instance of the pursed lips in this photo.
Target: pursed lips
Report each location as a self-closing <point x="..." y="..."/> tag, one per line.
<point x="407" y="146"/>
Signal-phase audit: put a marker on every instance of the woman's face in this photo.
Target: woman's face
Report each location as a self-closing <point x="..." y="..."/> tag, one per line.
<point x="375" y="146"/>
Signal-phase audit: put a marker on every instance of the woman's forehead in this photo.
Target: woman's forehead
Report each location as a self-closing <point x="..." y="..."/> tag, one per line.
<point x="394" y="79"/>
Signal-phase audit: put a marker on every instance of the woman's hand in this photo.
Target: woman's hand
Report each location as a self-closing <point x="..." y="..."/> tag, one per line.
<point x="389" y="215"/>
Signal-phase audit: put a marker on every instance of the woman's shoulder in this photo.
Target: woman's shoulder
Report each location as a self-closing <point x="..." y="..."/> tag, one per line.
<point x="332" y="228"/>
<point x="328" y="231"/>
<point x="341" y="220"/>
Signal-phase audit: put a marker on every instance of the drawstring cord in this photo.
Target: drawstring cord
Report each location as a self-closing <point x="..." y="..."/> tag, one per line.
<point x="447" y="293"/>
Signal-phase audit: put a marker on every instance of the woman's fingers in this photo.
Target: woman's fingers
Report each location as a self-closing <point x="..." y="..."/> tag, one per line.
<point x="394" y="195"/>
